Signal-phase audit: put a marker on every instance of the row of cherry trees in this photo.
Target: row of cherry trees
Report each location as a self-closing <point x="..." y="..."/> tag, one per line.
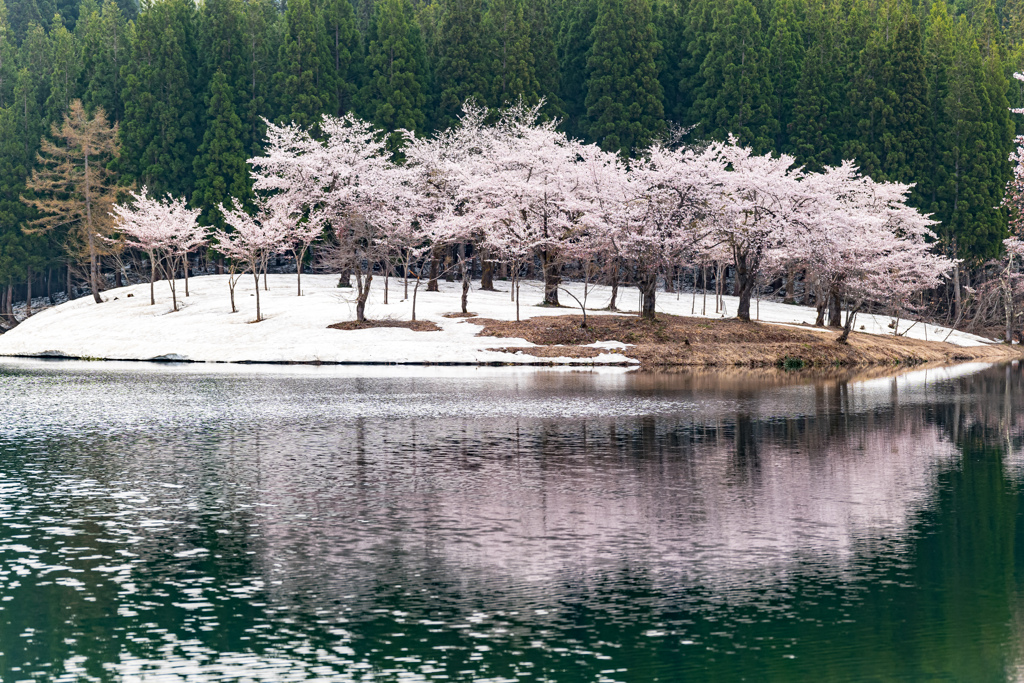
<point x="514" y="189"/>
<point x="1011" y="281"/>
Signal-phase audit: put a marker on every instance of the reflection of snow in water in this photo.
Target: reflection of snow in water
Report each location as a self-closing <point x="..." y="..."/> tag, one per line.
<point x="328" y="485"/>
<point x="714" y="516"/>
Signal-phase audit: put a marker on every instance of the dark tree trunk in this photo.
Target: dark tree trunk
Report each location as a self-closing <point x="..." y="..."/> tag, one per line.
<point x="363" y="283"/>
<point x="851" y="315"/>
<point x="648" y="285"/>
<point x="69" y="281"/>
<point x="432" y="281"/>
<point x="615" y="284"/>
<point x="670" y="273"/>
<point x="220" y="266"/>
<point x="835" y="310"/>
<point x="790" y="287"/>
<point x="745" y="278"/>
<point x="552" y="277"/>
<point x="49" y="286"/>
<point x="486" y="271"/>
<point x="449" y="271"/>
<point x="28" y="292"/>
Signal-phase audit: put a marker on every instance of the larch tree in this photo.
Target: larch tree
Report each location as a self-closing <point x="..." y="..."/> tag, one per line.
<point x="73" y="187"/>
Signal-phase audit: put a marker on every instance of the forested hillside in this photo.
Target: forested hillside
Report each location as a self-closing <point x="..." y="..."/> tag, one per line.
<point x="912" y="91"/>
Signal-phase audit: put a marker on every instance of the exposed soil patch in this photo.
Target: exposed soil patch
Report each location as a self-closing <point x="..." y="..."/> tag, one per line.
<point x="415" y="325"/>
<point x="678" y="341"/>
<point x="553" y="351"/>
<point x="459" y="315"/>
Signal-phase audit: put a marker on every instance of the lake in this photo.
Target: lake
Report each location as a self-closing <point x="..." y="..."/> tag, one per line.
<point x="222" y="523"/>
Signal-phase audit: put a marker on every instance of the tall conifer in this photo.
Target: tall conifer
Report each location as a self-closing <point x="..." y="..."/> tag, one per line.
<point x="302" y="96"/>
<point x="220" y="168"/>
<point x="158" y="133"/>
<point x="574" y="43"/>
<point x="624" y="98"/>
<point x="344" y="54"/>
<point x="511" y="66"/>
<point x="394" y="95"/>
<point x="735" y="95"/>
<point x="463" y="69"/>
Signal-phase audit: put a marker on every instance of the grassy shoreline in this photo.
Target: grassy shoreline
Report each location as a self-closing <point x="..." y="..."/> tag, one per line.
<point x="676" y="341"/>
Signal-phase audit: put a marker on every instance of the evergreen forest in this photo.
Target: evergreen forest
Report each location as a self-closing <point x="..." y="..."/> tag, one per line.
<point x="912" y="91"/>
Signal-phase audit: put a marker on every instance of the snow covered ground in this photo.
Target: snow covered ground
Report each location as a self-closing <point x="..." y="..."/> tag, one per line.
<point x="295" y="328"/>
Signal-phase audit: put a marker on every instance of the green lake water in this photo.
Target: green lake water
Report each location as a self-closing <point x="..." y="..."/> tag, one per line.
<point x="189" y="523"/>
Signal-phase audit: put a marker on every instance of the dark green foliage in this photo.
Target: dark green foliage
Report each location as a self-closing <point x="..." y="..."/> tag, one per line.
<point x="103" y="36"/>
<point x="624" y="107"/>
<point x="510" y="66"/>
<point x="65" y="62"/>
<point x="786" y="52"/>
<point x="8" y="55"/>
<point x="394" y="95"/>
<point x="545" y="55"/>
<point x="969" y="149"/>
<point x="345" y="58"/>
<point x="573" y="51"/>
<point x="259" y="59"/>
<point x="893" y="119"/>
<point x="302" y="91"/>
<point x="735" y="92"/>
<point x="912" y="91"/>
<point x="220" y="169"/>
<point x="462" y="69"/>
<point x="158" y="134"/>
<point x="669" y="23"/>
<point x="814" y="130"/>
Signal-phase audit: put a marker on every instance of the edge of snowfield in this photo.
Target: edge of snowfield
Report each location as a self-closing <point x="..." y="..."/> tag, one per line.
<point x="295" y="330"/>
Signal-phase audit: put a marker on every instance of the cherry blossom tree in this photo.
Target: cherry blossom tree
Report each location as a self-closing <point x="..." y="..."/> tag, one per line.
<point x="167" y="230"/>
<point x="187" y="235"/>
<point x="253" y="240"/>
<point x="681" y="196"/>
<point x="761" y="195"/>
<point x="526" y="193"/>
<point x="443" y="169"/>
<point x="346" y="180"/>
<point x="147" y="226"/>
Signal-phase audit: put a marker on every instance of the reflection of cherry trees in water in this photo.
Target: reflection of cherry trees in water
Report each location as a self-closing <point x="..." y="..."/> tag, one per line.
<point x="526" y="507"/>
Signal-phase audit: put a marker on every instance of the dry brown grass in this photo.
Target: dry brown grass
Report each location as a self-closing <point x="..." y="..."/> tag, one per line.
<point x="459" y="315"/>
<point x="415" y="325"/>
<point x="678" y="341"/>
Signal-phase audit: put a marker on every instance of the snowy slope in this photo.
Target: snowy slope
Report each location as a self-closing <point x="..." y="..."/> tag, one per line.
<point x="295" y="329"/>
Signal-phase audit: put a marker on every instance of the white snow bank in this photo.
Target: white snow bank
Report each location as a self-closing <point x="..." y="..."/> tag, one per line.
<point x="127" y="327"/>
